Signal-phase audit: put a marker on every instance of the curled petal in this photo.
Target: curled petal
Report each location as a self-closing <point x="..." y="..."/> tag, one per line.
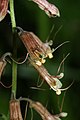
<point x="3" y="62"/>
<point x="2" y="66"/>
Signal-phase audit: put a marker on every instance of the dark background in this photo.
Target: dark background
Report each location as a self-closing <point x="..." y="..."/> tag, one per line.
<point x="31" y="18"/>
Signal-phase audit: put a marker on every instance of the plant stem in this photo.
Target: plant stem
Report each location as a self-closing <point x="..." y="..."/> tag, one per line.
<point x="12" y="15"/>
<point x="14" y="65"/>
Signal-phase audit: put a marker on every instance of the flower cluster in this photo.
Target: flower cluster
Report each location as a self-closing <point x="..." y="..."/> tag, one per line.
<point x="38" y="51"/>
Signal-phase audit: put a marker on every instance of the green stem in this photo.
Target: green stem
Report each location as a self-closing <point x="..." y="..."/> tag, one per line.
<point x="14" y="65"/>
<point x="12" y="14"/>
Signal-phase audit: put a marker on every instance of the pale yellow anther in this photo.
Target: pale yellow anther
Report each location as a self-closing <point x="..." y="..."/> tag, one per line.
<point x="43" y="60"/>
<point x="50" y="55"/>
<point x="63" y="114"/>
<point x="58" y="92"/>
<point x="38" y="63"/>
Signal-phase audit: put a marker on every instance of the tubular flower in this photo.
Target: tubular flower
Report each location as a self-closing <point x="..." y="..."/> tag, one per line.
<point x="37" y="50"/>
<point x="15" y="111"/>
<point x="52" y="81"/>
<point x="43" y="112"/>
<point x="3" y="8"/>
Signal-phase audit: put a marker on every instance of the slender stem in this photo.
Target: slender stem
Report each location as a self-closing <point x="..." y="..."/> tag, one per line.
<point x="14" y="78"/>
<point x="14" y="65"/>
<point x="12" y="14"/>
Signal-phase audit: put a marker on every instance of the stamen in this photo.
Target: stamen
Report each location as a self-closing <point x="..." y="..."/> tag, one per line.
<point x="58" y="92"/>
<point x="67" y="87"/>
<point x="38" y="63"/>
<point x="50" y="55"/>
<point x="53" y="50"/>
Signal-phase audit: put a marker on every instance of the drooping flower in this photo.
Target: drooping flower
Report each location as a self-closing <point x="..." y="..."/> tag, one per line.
<point x="37" y="50"/>
<point x="52" y="81"/>
<point x="15" y="111"/>
<point x="42" y="111"/>
<point x="50" y="9"/>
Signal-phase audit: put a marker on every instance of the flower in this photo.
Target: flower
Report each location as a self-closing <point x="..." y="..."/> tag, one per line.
<point x="43" y="112"/>
<point x="37" y="50"/>
<point x="15" y="111"/>
<point x="3" y="8"/>
<point x="52" y="81"/>
<point x="50" y="9"/>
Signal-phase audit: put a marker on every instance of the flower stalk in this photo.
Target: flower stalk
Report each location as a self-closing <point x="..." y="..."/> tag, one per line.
<point x="14" y="65"/>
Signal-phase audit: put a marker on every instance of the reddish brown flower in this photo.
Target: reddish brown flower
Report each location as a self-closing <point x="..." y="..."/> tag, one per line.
<point x="15" y="112"/>
<point x="43" y="112"/>
<point x="37" y="50"/>
<point x="3" y="8"/>
<point x="53" y="81"/>
<point x="50" y="9"/>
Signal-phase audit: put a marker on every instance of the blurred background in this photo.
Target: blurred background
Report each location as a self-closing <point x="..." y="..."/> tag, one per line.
<point x="31" y="18"/>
